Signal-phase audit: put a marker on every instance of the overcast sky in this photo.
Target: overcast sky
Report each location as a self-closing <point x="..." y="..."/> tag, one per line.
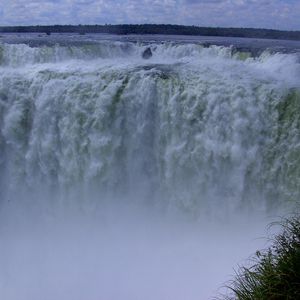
<point x="278" y="14"/>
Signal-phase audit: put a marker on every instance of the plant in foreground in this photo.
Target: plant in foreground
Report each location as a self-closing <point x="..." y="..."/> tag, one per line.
<point x="275" y="274"/>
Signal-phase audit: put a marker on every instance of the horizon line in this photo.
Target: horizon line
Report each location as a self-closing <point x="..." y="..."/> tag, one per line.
<point x="151" y="24"/>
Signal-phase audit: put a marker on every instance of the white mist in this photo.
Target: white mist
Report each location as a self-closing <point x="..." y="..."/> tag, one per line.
<point x="121" y="256"/>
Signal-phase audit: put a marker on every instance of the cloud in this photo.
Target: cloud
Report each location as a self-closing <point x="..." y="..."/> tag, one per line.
<point x="282" y="14"/>
<point x="204" y="1"/>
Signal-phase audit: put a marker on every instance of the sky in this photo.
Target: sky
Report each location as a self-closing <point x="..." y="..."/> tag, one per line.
<point x="276" y="14"/>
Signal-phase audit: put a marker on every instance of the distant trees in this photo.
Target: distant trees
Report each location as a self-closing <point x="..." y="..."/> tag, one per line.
<point x="157" y="29"/>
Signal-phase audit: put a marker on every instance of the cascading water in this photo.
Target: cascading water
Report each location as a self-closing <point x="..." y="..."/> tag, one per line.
<point x="192" y="126"/>
<point x="204" y="131"/>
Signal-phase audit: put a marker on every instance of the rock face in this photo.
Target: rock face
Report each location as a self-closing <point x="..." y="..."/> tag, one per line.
<point x="147" y="53"/>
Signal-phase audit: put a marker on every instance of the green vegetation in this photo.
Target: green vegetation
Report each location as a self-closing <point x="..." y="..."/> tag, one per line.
<point x="275" y="274"/>
<point x="158" y="29"/>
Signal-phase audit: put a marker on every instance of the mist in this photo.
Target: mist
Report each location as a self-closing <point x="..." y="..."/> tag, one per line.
<point x="120" y="252"/>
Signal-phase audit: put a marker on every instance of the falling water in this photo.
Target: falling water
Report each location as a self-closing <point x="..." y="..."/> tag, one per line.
<point x="92" y="135"/>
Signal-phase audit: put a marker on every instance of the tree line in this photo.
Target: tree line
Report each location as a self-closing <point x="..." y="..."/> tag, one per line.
<point x="156" y="29"/>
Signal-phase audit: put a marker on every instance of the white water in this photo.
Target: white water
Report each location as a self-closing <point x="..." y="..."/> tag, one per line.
<point x="116" y="172"/>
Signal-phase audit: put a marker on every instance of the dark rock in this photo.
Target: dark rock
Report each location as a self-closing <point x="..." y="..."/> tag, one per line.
<point x="206" y="45"/>
<point x="147" y="53"/>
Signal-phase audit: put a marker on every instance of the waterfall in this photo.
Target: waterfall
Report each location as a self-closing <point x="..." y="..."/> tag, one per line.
<point x="127" y="178"/>
<point x="195" y="128"/>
